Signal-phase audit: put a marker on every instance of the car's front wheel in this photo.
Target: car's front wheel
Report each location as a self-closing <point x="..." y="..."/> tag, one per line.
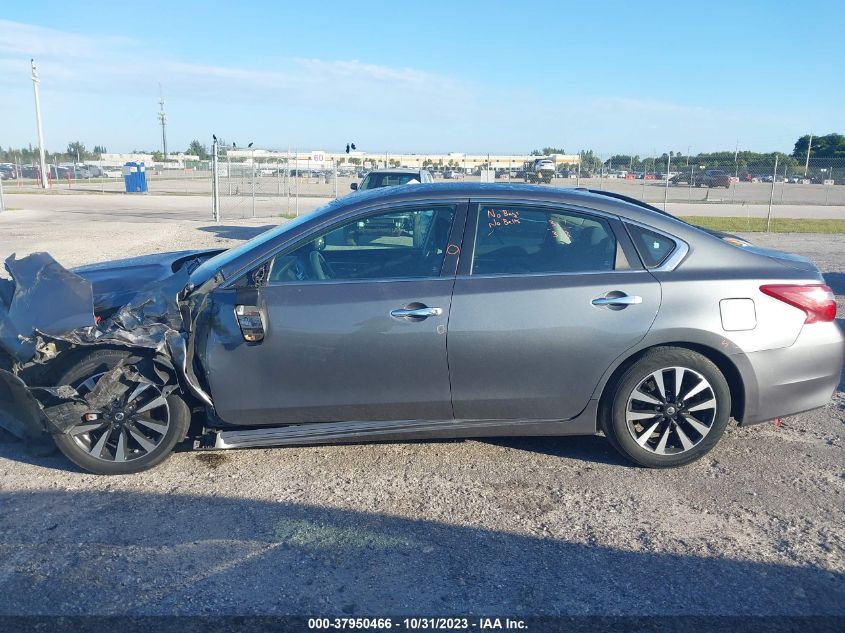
<point x="667" y="409"/>
<point x="135" y="431"/>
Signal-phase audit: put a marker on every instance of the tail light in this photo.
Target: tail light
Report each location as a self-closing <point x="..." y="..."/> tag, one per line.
<point x="816" y="300"/>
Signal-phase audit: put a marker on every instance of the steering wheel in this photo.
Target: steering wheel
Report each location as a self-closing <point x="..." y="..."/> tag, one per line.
<point x="321" y="268"/>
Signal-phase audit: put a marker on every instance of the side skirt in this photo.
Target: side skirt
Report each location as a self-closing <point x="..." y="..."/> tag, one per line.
<point x="385" y="431"/>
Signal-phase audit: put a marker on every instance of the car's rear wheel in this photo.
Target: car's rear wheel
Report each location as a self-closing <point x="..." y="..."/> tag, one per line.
<point x="667" y="409"/>
<point x="136" y="431"/>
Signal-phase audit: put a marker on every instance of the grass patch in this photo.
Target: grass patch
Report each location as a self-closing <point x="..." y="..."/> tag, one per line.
<point x="779" y="225"/>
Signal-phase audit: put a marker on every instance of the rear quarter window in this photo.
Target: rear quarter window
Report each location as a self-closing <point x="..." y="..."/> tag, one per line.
<point x="652" y="247"/>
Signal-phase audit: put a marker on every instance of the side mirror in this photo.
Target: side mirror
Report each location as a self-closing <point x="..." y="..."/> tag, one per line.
<point x="252" y="323"/>
<point x="354" y="186"/>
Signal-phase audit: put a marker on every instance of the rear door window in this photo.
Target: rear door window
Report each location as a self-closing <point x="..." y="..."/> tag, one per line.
<point x="527" y="240"/>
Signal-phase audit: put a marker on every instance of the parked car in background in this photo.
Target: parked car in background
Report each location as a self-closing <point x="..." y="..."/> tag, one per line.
<point x="539" y="170"/>
<point x="392" y="178"/>
<point x="59" y="171"/>
<point x="29" y="171"/>
<point x="8" y="172"/>
<point x="485" y="311"/>
<point x="112" y="172"/>
<point x="79" y="171"/>
<point x="714" y="178"/>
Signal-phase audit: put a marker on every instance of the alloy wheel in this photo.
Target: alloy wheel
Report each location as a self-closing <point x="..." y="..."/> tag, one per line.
<point x="132" y="426"/>
<point x="671" y="410"/>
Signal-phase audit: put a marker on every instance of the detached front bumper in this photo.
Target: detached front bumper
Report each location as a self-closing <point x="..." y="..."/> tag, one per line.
<point x="20" y="413"/>
<point x="797" y="378"/>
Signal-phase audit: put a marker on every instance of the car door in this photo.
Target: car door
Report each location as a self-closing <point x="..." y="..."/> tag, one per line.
<point x="545" y="299"/>
<point x="352" y="328"/>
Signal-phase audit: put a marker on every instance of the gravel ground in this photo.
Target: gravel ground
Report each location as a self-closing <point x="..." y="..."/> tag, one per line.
<point x="514" y="527"/>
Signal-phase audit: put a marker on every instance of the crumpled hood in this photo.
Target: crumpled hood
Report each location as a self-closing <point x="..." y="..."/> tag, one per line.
<point x="117" y="282"/>
<point x="46" y="309"/>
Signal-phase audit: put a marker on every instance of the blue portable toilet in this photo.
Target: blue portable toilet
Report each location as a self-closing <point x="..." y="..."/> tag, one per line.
<point x="135" y="177"/>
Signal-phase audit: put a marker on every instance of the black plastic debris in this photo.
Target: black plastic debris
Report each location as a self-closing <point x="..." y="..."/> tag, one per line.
<point x="47" y="310"/>
<point x="45" y="297"/>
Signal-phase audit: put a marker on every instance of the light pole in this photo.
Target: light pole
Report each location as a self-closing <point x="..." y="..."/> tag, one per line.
<point x="806" y="164"/>
<point x="35" y="81"/>
<point x="215" y="183"/>
<point x="162" y="118"/>
<point x="252" y="161"/>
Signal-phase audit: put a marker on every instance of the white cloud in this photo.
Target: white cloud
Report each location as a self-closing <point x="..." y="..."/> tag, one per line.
<point x="18" y="39"/>
<point x="104" y="89"/>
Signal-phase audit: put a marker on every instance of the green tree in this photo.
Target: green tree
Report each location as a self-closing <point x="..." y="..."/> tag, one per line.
<point x="827" y="146"/>
<point x="589" y="161"/>
<point x="548" y="151"/>
<point x="76" y="149"/>
<point x="100" y="149"/>
<point x="198" y="149"/>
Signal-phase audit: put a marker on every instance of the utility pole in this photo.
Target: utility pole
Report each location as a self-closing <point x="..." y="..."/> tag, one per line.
<point x="162" y="118"/>
<point x="736" y="160"/>
<point x="215" y="183"/>
<point x="772" y="195"/>
<point x="35" y="81"/>
<point x="807" y="164"/>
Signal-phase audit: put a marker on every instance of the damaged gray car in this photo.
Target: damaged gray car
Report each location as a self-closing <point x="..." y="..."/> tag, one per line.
<point x="493" y="310"/>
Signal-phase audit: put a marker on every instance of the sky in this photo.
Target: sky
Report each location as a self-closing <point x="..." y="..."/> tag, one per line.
<point x="475" y="77"/>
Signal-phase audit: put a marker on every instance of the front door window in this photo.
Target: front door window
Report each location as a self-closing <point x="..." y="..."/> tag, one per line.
<point x="399" y="244"/>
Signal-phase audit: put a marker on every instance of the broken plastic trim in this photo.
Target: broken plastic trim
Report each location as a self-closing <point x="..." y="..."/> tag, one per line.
<point x="47" y="310"/>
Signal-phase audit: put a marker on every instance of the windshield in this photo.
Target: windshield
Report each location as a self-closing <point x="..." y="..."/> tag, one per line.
<point x="375" y="180"/>
<point x="219" y="261"/>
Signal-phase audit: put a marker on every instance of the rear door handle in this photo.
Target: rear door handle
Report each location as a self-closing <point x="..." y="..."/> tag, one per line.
<point x="624" y="300"/>
<point x="419" y="313"/>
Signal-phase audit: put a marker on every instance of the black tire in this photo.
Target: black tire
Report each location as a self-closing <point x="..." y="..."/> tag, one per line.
<point x="622" y="404"/>
<point x="177" y="423"/>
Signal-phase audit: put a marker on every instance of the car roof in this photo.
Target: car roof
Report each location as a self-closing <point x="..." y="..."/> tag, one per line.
<point x="710" y="248"/>
<point x="397" y="170"/>
<point x="517" y="191"/>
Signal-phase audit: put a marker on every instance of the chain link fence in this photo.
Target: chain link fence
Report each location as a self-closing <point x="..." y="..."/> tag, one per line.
<point x="262" y="183"/>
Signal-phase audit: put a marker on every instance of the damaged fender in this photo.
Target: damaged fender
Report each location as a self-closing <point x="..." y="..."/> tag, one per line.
<point x="46" y="310"/>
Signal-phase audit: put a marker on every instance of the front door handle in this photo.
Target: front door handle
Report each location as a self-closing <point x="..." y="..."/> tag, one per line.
<point x="418" y="313"/>
<point x="620" y="300"/>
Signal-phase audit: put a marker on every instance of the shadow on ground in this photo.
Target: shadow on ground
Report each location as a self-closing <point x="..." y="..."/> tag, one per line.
<point x="591" y="449"/>
<point x="236" y="232"/>
<point x="103" y="552"/>
<point x="588" y="448"/>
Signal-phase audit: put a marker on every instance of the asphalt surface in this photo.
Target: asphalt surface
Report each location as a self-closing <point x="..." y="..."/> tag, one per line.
<point x="512" y="527"/>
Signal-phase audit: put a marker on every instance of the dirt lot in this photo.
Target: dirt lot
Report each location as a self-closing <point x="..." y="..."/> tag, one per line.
<point x="512" y="527"/>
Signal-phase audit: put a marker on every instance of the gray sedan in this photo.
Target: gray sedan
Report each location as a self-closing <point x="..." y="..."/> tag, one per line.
<point x="489" y="310"/>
